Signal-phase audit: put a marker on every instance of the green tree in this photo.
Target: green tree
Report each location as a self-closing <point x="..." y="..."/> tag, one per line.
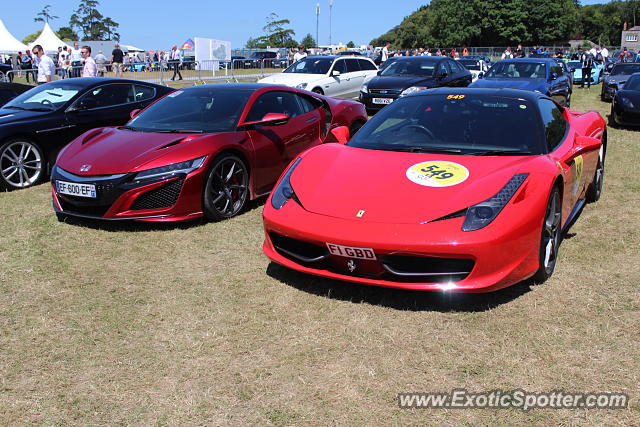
<point x="31" y="37"/>
<point x="91" y="24"/>
<point x="351" y="45"/>
<point x="308" y="41"/>
<point x="45" y="16"/>
<point x="276" y="35"/>
<point x="67" y="34"/>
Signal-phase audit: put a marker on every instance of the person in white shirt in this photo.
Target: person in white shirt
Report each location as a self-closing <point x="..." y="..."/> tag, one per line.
<point x="46" y="67"/>
<point x="90" y="68"/>
<point x="76" y="60"/>
<point x="507" y="54"/>
<point x="301" y="53"/>
<point x="385" y="52"/>
<point x="62" y="60"/>
<point x="605" y="53"/>
<point x="176" y="61"/>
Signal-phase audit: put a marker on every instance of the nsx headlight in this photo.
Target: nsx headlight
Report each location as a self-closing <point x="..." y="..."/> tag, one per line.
<point x="302" y="86"/>
<point x="171" y="170"/>
<point x="412" y="89"/>
<point x="284" y="191"/>
<point x="481" y="215"/>
<point x="364" y="88"/>
<point x="626" y="102"/>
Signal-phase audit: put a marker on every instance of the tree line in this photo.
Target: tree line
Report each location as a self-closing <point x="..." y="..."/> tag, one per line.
<point x="509" y="22"/>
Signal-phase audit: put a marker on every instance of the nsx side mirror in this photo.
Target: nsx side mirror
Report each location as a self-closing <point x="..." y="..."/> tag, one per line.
<point x="341" y="134"/>
<point x="134" y="113"/>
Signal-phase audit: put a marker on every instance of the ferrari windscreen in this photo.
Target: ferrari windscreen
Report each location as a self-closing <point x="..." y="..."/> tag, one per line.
<point x="456" y="124"/>
<point x="197" y="110"/>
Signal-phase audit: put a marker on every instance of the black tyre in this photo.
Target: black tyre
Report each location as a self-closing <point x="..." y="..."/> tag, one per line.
<point x="567" y="103"/>
<point x="612" y="119"/>
<point x="22" y="164"/>
<point x="550" y="238"/>
<point x="355" y="127"/>
<point x="595" y="188"/>
<point x="226" y="188"/>
<point x="318" y="91"/>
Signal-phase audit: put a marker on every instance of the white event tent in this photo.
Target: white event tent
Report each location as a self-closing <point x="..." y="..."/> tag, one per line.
<point x="48" y="40"/>
<point x="8" y="43"/>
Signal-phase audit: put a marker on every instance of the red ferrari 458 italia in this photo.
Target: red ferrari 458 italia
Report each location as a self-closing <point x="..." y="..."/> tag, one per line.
<point x="199" y="151"/>
<point x="464" y="190"/>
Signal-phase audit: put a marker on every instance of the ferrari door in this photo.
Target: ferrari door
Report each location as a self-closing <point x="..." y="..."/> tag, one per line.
<point x="274" y="146"/>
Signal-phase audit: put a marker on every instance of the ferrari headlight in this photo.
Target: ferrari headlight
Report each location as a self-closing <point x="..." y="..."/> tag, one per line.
<point x="169" y="171"/>
<point x="481" y="215"/>
<point x="302" y="86"/>
<point x="412" y="89"/>
<point x="284" y="190"/>
<point x="364" y="88"/>
<point x="626" y="102"/>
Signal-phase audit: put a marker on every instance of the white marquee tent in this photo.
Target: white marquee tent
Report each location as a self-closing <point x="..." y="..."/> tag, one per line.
<point x="8" y="43"/>
<point x="48" y="40"/>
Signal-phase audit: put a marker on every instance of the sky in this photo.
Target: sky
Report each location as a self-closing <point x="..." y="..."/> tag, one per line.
<point x="159" y="24"/>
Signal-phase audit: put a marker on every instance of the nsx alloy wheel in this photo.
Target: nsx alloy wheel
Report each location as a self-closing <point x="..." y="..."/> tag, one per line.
<point x="550" y="240"/>
<point x="226" y="189"/>
<point x="21" y="164"/>
<point x="595" y="189"/>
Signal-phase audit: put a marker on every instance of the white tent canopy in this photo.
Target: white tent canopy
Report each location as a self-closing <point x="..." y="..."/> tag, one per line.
<point x="48" y="40"/>
<point x="8" y="43"/>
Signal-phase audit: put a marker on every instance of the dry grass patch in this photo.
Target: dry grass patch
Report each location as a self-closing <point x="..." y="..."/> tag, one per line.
<point x="190" y="324"/>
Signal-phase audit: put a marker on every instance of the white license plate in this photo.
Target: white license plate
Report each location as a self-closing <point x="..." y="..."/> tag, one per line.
<point x="351" y="252"/>
<point x="75" y="189"/>
<point x="382" y="100"/>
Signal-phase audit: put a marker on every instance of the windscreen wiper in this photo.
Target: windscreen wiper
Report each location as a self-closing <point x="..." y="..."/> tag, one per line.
<point x="179" y="131"/>
<point x="499" y="153"/>
<point x="434" y="150"/>
<point x="130" y="128"/>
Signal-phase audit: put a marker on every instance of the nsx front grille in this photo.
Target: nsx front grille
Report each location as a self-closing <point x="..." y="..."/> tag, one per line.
<point x="159" y="198"/>
<point x="84" y="210"/>
<point x="392" y="267"/>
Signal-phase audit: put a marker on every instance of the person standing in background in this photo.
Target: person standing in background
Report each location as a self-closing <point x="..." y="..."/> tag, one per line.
<point x="26" y="63"/>
<point x="90" y="68"/>
<point x="117" y="60"/>
<point x="46" y="66"/>
<point x="62" y="59"/>
<point x="101" y="63"/>
<point x="300" y="54"/>
<point x="385" y="52"/>
<point x="176" y="59"/>
<point x="76" y="60"/>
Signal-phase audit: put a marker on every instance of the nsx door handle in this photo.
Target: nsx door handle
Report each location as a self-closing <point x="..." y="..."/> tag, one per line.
<point x="312" y="119"/>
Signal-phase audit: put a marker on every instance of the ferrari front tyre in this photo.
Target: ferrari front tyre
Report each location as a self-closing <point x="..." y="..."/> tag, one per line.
<point x="21" y="164"/>
<point x="226" y="188"/>
<point x="595" y="188"/>
<point x="550" y="238"/>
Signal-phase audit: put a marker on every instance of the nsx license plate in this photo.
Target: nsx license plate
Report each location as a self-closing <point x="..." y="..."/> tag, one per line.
<point x="351" y="252"/>
<point x="382" y="100"/>
<point x="78" y="190"/>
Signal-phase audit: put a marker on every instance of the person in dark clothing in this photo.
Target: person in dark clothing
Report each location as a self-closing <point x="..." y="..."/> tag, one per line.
<point x="587" y="64"/>
<point x="117" y="57"/>
<point x="26" y="63"/>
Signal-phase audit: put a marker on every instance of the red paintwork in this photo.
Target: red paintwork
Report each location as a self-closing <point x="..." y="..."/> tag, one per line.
<point x="334" y="182"/>
<point x="113" y="151"/>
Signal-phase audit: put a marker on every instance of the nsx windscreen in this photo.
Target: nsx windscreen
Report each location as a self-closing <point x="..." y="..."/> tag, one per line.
<point x="454" y="124"/>
<point x="410" y="68"/>
<point x="310" y="65"/>
<point x="198" y="110"/>
<point x="517" y="70"/>
<point x="47" y="97"/>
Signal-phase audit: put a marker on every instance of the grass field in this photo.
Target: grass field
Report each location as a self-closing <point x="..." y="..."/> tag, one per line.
<point x="106" y="324"/>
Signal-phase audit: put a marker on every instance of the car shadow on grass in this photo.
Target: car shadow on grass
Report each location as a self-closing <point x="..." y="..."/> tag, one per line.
<point x="142" y="226"/>
<point x="396" y="298"/>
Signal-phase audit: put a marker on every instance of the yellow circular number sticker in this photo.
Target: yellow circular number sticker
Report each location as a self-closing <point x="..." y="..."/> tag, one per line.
<point x="437" y="174"/>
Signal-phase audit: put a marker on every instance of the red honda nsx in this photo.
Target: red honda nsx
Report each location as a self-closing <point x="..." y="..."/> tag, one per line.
<point x="201" y="151"/>
<point x="466" y="190"/>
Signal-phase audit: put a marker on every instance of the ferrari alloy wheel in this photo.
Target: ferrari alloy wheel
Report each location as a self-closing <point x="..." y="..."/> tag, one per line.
<point x="595" y="189"/>
<point x="226" y="189"/>
<point x="21" y="164"/>
<point x="550" y="239"/>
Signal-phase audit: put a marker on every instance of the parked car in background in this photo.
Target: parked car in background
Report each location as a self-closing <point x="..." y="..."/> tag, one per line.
<point x="262" y="59"/>
<point x="35" y="125"/>
<point x="327" y="75"/>
<point x="235" y="62"/>
<point x="485" y="58"/>
<point x="541" y="75"/>
<point x="8" y="91"/>
<point x="201" y="151"/>
<point x="409" y="74"/>
<point x="597" y="71"/>
<point x="350" y="53"/>
<point x="619" y="74"/>
<point x="477" y="67"/>
<point x="5" y="75"/>
<point x="625" y="107"/>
